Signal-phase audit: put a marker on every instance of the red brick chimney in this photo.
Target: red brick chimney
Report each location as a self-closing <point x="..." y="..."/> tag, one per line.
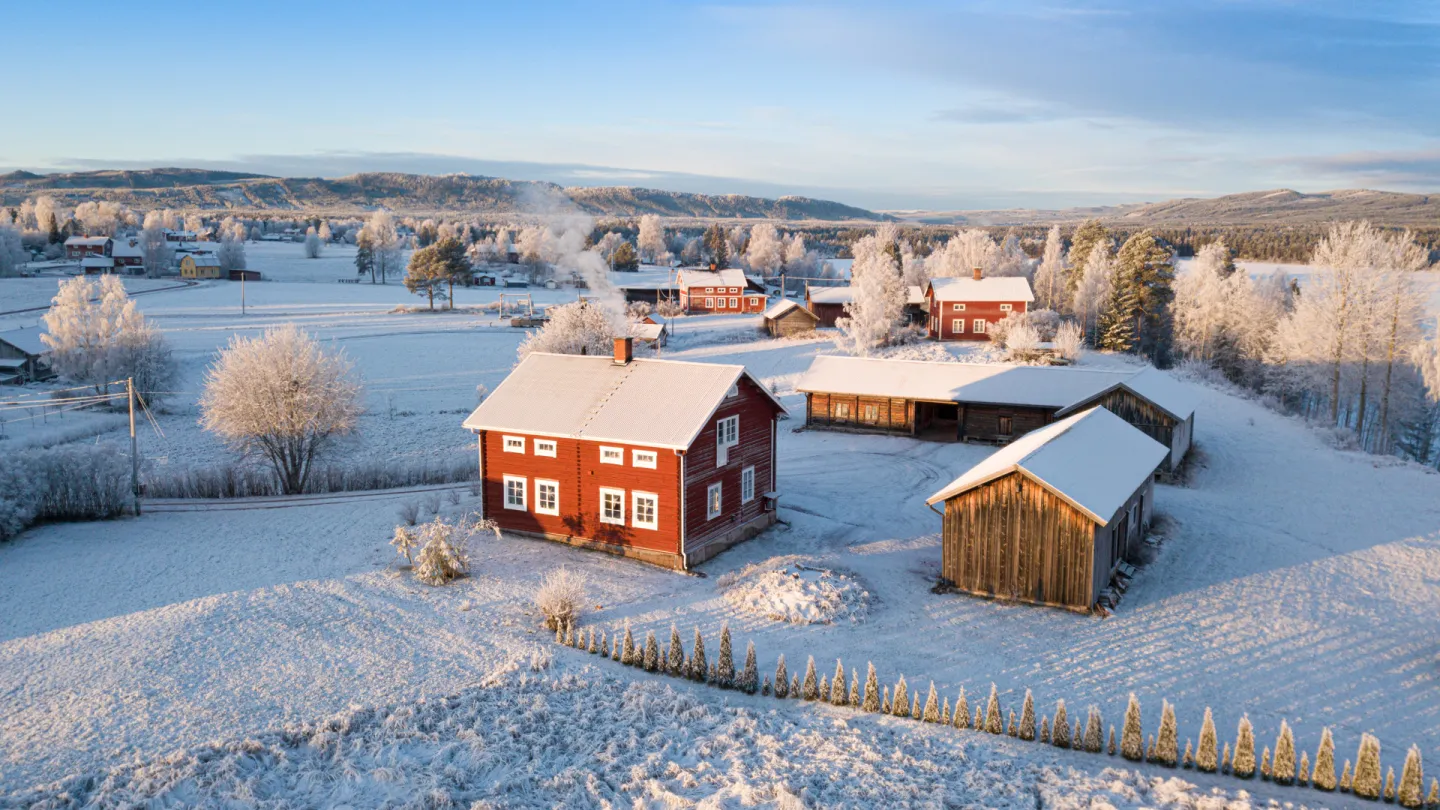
<point x="979" y="274"/>
<point x="624" y="350"/>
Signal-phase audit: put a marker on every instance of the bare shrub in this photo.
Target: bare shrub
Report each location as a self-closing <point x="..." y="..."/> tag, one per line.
<point x="238" y="480"/>
<point x="409" y="512"/>
<point x="432" y="503"/>
<point x="453" y="496"/>
<point x="1069" y="341"/>
<point x="88" y="482"/>
<point x="404" y="542"/>
<point x="561" y="597"/>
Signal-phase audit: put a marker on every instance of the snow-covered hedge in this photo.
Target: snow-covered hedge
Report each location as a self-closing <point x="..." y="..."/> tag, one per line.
<point x="249" y="481"/>
<point x="75" y="482"/>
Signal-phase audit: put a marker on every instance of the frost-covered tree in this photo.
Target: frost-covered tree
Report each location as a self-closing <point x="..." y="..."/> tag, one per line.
<point x="1069" y="341"/>
<point x="1167" y="740"/>
<point x="1282" y="770"/>
<point x="962" y="711"/>
<point x="794" y="687"/>
<point x="1243" y="763"/>
<point x="885" y="707"/>
<point x="811" y="688"/>
<point x="590" y="645"/>
<point x="1302" y="777"/>
<point x="1366" y="782"/>
<point x="915" y="706"/>
<point x="1206" y="760"/>
<point x="877" y="304"/>
<point x="651" y="240"/>
<point x="749" y="676"/>
<point x="853" y="699"/>
<point x="312" y="244"/>
<point x="581" y="327"/>
<point x="1113" y="749"/>
<point x="962" y="253"/>
<point x="404" y="542"/>
<point x="1061" y="734"/>
<point x="382" y="242"/>
<point x="675" y="657"/>
<point x="283" y="396"/>
<point x="1094" y="731"/>
<point x="992" y="712"/>
<point x="627" y="648"/>
<point x="1323" y="776"/>
<point x="1265" y="763"/>
<point x="651" y="660"/>
<point x="97" y="337"/>
<point x="1132" y="739"/>
<point x="900" y="699"/>
<point x="766" y="252"/>
<point x="1051" y="284"/>
<point x="231" y="254"/>
<point x="699" y="668"/>
<point x="837" y="683"/>
<point x="1094" y="287"/>
<point x="1027" y="717"/>
<point x="155" y="250"/>
<point x="561" y="597"/>
<point x="782" y="679"/>
<point x="824" y="691"/>
<point x="1045" y="729"/>
<point x="871" y="701"/>
<point x="1115" y="328"/>
<point x="1087" y="237"/>
<point x="931" y="712"/>
<point x="725" y="664"/>
<point x="444" y="550"/>
<point x="12" y="251"/>
<point x="798" y="260"/>
<point x="99" y="218"/>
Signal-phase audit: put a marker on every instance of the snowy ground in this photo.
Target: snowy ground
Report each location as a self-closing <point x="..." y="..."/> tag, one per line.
<point x="1296" y="582"/>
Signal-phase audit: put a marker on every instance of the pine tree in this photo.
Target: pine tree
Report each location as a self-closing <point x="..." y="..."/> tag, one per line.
<point x="1188" y="762"/>
<point x="962" y="711"/>
<point x="1045" y="730"/>
<point x="1094" y="732"/>
<point x="915" y="706"/>
<point x="823" y="694"/>
<point x="1302" y="778"/>
<point x="765" y="687"/>
<point x="992" y="712"/>
<point x="1432" y="799"/>
<point x="1027" y="718"/>
<point x="1117" y="321"/>
<point x="749" y="677"/>
<point x="794" y="687"/>
<point x="1132" y="736"/>
<point x="627" y="652"/>
<point x="945" y="714"/>
<point x="1225" y="760"/>
<point x="932" y="706"/>
<point x="1390" y="785"/>
<point x="1282" y="769"/>
<point x="652" y="652"/>
<point x="1205" y="761"/>
<point x="1345" y="778"/>
<point x="1243" y="765"/>
<point x="1062" y="726"/>
<point x="1077" y="740"/>
<point x="604" y="645"/>
<point x="1366" y="784"/>
<point x="812" y="686"/>
<point x="615" y="651"/>
<point x="710" y="676"/>
<point x="1111" y="749"/>
<point x="782" y="679"/>
<point x="590" y="647"/>
<point x="871" y="703"/>
<point x="699" y="668"/>
<point x="899" y="700"/>
<point x="1265" y="764"/>
<point x="1412" y="780"/>
<point x="569" y="634"/>
<point x="837" y="685"/>
<point x="675" y="657"/>
<point x="1323" y="777"/>
<point x="1167" y="742"/>
<point x="854" y="699"/>
<point x="1150" y="748"/>
<point x="725" y="667"/>
<point x="885" y="704"/>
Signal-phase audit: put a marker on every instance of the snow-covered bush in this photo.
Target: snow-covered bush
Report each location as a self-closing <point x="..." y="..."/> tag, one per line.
<point x="577" y="328"/>
<point x="444" y="548"/>
<point x="635" y="310"/>
<point x="19" y="497"/>
<point x="74" y="482"/>
<point x="1069" y="341"/>
<point x="561" y="597"/>
<point x="404" y="542"/>
<point x="784" y="590"/>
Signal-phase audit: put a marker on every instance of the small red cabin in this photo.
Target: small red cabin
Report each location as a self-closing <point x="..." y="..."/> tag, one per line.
<point x="668" y="462"/>
<point x="719" y="291"/>
<point x="964" y="308"/>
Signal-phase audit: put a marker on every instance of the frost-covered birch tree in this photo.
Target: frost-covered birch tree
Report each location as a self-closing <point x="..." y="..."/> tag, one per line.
<point x="284" y="397"/>
<point x="97" y="337"/>
<point x="877" y="305"/>
<point x="766" y="252"/>
<point x="312" y="244"/>
<point x="962" y="253"/>
<point x="384" y="243"/>
<point x="1051" y="290"/>
<point x="651" y="240"/>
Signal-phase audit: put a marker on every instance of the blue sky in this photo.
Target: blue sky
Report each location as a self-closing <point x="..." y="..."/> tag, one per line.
<point x="979" y="103"/>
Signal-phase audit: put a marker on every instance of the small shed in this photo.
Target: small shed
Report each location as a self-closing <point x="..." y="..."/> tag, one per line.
<point x="1155" y="404"/>
<point x="199" y="266"/>
<point x="827" y="303"/>
<point x="24" y="357"/>
<point x="651" y="329"/>
<point x="789" y="318"/>
<point x="1048" y="518"/>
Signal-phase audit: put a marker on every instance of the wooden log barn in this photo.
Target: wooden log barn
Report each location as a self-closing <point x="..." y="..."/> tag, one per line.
<point x="1050" y="517"/>
<point x="788" y="318"/>
<point x="663" y="461"/>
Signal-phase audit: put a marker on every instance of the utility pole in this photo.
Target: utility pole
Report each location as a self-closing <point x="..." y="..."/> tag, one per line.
<point x="134" y="455"/>
<point x="242" y="292"/>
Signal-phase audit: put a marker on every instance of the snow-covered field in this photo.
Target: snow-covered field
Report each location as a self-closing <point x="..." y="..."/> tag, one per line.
<point x="1296" y="582"/>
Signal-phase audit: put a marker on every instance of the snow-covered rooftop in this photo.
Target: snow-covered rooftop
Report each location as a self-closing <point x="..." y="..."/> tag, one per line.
<point x="26" y="339"/>
<point x="1039" y="386"/>
<point x="1163" y="390"/>
<point x="205" y="260"/>
<point x="97" y="261"/>
<point x="990" y="288"/>
<point x="656" y="403"/>
<point x="1094" y="459"/>
<point x="647" y="331"/>
<point x="830" y="295"/>
<point x="86" y="241"/>
<point x="729" y="277"/>
<point x="784" y="306"/>
<point x="126" y="247"/>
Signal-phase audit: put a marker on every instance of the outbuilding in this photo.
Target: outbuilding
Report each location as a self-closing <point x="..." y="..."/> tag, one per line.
<point x="827" y="303"/>
<point x="788" y="318"/>
<point x="1155" y="404"/>
<point x="198" y="266"/>
<point x="664" y="461"/>
<point x="1049" y="518"/>
<point x="24" y="357"/>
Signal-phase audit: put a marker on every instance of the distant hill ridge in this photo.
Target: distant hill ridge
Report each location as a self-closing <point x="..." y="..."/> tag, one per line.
<point x="404" y="193"/>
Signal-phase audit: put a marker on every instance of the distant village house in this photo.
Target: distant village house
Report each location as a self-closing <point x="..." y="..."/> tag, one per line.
<point x="964" y="308"/>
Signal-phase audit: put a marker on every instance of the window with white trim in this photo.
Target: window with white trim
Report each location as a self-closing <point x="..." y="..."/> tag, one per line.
<point x="612" y="455"/>
<point x="747" y="485"/>
<point x="957" y="307"/>
<point x="645" y="510"/>
<point x="645" y="459"/>
<point x="709" y="303"/>
<point x="514" y="444"/>
<point x="979" y="328"/>
<point x="612" y="506"/>
<point x="727" y="435"/>
<point x="958" y="326"/>
<point x="710" y="290"/>
<point x="734" y="304"/>
<point x="1006" y="307"/>
<point x="515" y="492"/>
<point x="547" y="497"/>
<point x="714" y="500"/>
<point x="545" y="447"/>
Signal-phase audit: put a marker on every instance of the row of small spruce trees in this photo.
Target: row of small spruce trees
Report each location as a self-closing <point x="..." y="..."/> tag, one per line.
<point x="1160" y="748"/>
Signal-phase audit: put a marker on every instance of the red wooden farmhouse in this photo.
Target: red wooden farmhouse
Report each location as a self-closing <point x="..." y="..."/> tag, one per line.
<point x="964" y="308"/>
<point x="723" y="291"/>
<point x="669" y="462"/>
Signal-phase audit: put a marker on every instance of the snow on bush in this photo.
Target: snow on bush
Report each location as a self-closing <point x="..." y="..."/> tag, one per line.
<point x="561" y="597"/>
<point x="19" y="497"/>
<point x="445" y="548"/>
<point x="577" y="328"/>
<point x="784" y="590"/>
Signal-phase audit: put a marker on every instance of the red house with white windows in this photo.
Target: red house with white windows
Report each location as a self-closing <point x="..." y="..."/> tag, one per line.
<point x="664" y="461"/>
<point x="720" y="291"/>
<point x="79" y="247"/>
<point x="964" y="308"/>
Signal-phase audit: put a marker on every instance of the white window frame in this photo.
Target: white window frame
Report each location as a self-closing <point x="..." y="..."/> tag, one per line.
<point x="710" y="290"/>
<point x="957" y="307"/>
<point x="540" y="508"/>
<point x="523" y="483"/>
<point x="545" y="447"/>
<point x="709" y="303"/>
<point x="714" y="500"/>
<point x="514" y="444"/>
<point x="979" y="327"/>
<point x="1006" y="307"/>
<point x="734" y="303"/>
<point x="620" y="495"/>
<point x="747" y="485"/>
<point x="618" y="454"/>
<point x="644" y="459"/>
<point x="727" y="435"/>
<point x="635" y="498"/>
<point x="957" y="325"/>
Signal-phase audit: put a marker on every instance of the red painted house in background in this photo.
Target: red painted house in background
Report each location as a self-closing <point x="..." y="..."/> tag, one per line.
<point x="668" y="462"/>
<point x="964" y="308"/>
<point x="721" y="291"/>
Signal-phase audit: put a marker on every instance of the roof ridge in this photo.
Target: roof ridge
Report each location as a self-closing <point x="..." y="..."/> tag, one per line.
<point x="1073" y="419"/>
<point x="604" y="399"/>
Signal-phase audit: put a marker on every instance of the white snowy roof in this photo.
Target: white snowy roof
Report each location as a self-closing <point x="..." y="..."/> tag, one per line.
<point x="205" y="260"/>
<point x="1094" y="460"/>
<point x="654" y="317"/>
<point x="785" y="306"/>
<point x="647" y="331"/>
<point x="126" y="248"/>
<point x="995" y="383"/>
<point x="1159" y="388"/>
<point x="729" y="277"/>
<point x="914" y="294"/>
<point x="656" y="403"/>
<point x="26" y="339"/>
<point x="97" y="261"/>
<point x="991" y="288"/>
<point x="830" y="295"/>
<point x="87" y="241"/>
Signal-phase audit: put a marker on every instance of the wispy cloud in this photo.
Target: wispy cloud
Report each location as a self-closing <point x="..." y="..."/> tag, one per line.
<point x="1415" y="170"/>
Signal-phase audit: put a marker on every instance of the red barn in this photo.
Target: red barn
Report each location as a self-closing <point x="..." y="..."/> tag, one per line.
<point x="668" y="462"/>
<point x="78" y="247"/>
<point x="720" y="291"/>
<point x="964" y="308"/>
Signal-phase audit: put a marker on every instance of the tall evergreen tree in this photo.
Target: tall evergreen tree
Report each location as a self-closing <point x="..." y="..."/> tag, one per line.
<point x="782" y="679"/>
<point x="1117" y="321"/>
<point x="932" y="706"/>
<point x="591" y="646"/>
<point x="1206" y="760"/>
<point x="900" y="700"/>
<point x="871" y="703"/>
<point x="53" y="230"/>
<point x="915" y="706"/>
<point x="627" y="650"/>
<point x="699" y="667"/>
<point x="837" y="685"/>
<point x="1323" y="777"/>
<point x="1027" y="718"/>
<point x="1282" y="770"/>
<point x="1412" y="780"/>
<point x="1094" y="732"/>
<point x="811" y="686"/>
<point x="652" y="652"/>
<point x="992" y="712"/>
<point x="962" y="711"/>
<point x="823" y="693"/>
<point x="1243" y="765"/>
<point x="1089" y="234"/>
<point x="725" y="666"/>
<point x="675" y="656"/>
<point x="794" y="687"/>
<point x="1148" y="265"/>
<point x="1132" y="739"/>
<point x="1367" y="783"/>
<point x="854" y="699"/>
<point x="1061" y="732"/>
<point x="717" y="249"/>
<point x="1167" y="741"/>
<point x="749" y="676"/>
<point x="1045" y="730"/>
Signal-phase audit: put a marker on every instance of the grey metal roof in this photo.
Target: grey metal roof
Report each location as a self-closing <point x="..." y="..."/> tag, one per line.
<point x="26" y="339"/>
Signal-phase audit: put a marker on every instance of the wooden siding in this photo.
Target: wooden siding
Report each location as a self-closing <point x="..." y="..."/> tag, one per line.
<point x="794" y="321"/>
<point x="1028" y="545"/>
<point x="756" y="448"/>
<point x="1147" y="418"/>
<point x="982" y="422"/>
<point x="893" y="415"/>
<point x="943" y="313"/>
<point x="1105" y="559"/>
<point x="826" y="313"/>
<point x="694" y="298"/>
